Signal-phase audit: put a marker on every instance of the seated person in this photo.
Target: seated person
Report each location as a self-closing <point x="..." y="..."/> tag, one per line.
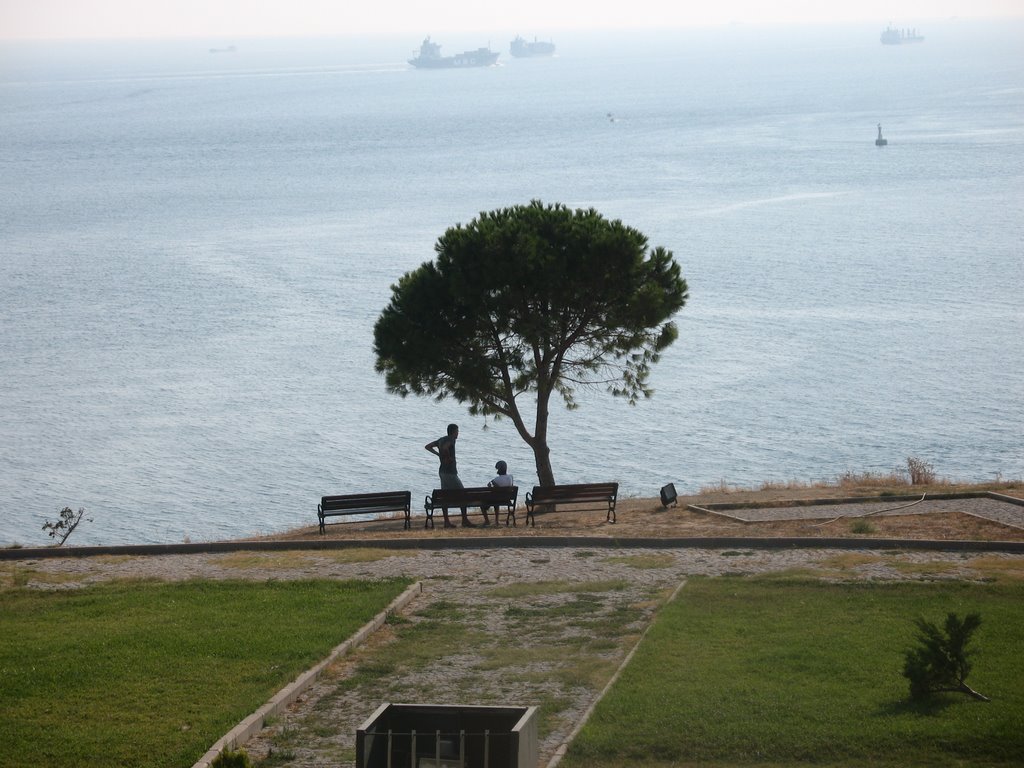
<point x="501" y="480"/>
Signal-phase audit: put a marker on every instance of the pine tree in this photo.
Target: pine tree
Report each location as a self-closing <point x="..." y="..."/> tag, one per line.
<point x="941" y="662"/>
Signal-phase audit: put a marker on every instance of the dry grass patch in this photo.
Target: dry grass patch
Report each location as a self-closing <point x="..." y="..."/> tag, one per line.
<point x="15" y="577"/>
<point x="846" y="564"/>
<point x="266" y="560"/>
<point x="302" y="560"/>
<point x="998" y="568"/>
<point x="113" y="559"/>
<point x="12" y="576"/>
<point x="559" y="587"/>
<point x="365" y="554"/>
<point x="848" y="561"/>
<point x="932" y="568"/>
<point x="587" y="672"/>
<point x="644" y="562"/>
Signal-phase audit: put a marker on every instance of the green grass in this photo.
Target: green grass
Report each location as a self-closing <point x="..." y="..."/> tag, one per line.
<point x="760" y="672"/>
<point x="151" y="674"/>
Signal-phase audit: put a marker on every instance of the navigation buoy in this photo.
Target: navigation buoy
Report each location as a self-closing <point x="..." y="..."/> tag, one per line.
<point x="880" y="142"/>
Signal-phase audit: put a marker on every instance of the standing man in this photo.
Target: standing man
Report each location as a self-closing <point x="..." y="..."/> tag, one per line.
<point x="444" y="449"/>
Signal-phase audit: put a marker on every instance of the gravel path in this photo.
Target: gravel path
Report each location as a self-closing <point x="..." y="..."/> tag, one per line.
<point x="989" y="509"/>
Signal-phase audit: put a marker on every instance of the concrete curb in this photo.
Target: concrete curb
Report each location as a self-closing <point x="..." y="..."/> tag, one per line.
<point x="242" y="732"/>
<point x="1007" y="499"/>
<point x="519" y="542"/>
<point x="556" y="758"/>
<point x="715" y="507"/>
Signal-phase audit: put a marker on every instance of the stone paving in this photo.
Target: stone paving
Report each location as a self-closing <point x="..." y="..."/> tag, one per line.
<point x="987" y="508"/>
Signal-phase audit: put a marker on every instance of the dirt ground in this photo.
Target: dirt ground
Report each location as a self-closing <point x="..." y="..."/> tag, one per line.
<point x="647" y="518"/>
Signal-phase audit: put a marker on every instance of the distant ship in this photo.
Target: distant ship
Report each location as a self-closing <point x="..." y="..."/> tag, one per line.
<point x="523" y="49"/>
<point x="430" y="57"/>
<point x="900" y="36"/>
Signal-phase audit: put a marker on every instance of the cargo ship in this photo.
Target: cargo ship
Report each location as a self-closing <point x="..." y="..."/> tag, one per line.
<point x="523" y="49"/>
<point x="430" y="57"/>
<point x="900" y="36"/>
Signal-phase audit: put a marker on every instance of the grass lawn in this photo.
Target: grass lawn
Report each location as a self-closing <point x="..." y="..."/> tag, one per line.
<point x="151" y="674"/>
<point x="775" y="672"/>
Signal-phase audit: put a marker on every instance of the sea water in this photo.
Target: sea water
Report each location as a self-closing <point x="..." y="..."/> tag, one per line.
<point x="195" y="247"/>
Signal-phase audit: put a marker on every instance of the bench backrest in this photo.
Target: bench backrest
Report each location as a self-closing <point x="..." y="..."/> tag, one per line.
<point x="581" y="492"/>
<point x="471" y="497"/>
<point x="387" y="500"/>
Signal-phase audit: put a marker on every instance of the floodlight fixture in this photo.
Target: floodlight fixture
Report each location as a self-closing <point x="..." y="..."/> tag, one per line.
<point x="668" y="495"/>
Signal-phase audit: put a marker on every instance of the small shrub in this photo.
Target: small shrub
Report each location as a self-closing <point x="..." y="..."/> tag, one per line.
<point x="941" y="661"/>
<point x="721" y="487"/>
<point x="861" y="526"/>
<point x="921" y="472"/>
<point x="230" y="758"/>
<point x="851" y="480"/>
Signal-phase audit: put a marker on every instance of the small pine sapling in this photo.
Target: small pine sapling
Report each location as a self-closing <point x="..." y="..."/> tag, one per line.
<point x="941" y="661"/>
<point x="232" y="758"/>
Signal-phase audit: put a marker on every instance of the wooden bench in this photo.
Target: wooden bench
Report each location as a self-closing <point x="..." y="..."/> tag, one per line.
<point x="586" y="497"/>
<point x="365" y="504"/>
<point x="456" y="498"/>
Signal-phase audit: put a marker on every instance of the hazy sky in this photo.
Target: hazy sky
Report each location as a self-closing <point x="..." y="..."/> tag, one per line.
<point x="240" y="18"/>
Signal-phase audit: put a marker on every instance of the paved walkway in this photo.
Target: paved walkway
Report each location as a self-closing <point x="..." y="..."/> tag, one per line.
<point x="987" y="508"/>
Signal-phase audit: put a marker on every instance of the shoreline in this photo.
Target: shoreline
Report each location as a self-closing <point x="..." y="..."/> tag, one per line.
<point x="962" y="516"/>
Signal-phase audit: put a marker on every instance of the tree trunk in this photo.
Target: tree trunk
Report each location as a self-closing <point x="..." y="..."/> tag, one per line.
<point x="965" y="688"/>
<point x="962" y="687"/>
<point x="541" y="452"/>
<point x="542" y="457"/>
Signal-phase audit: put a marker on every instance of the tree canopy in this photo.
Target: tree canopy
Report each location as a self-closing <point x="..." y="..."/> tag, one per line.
<point x="531" y="299"/>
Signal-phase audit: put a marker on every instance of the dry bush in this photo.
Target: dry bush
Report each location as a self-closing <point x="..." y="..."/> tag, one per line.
<point x="920" y="471"/>
<point x="850" y="479"/>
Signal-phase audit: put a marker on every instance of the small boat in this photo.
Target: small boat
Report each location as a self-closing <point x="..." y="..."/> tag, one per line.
<point x="430" y="57"/>
<point x="880" y="142"/>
